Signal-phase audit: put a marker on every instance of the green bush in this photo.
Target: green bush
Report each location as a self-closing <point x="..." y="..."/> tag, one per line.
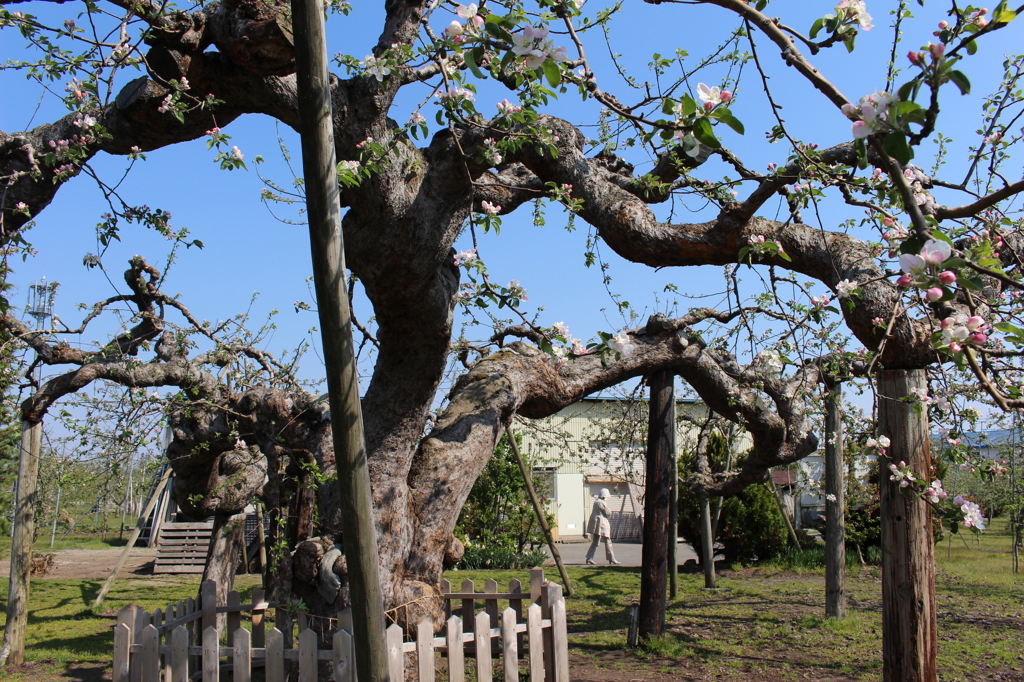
<point x="809" y="557"/>
<point x="491" y="556"/>
<point x="750" y="525"/>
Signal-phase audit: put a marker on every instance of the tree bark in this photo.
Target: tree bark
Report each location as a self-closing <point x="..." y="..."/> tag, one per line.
<point x="909" y="639"/>
<point x="835" y="506"/>
<point x="223" y="557"/>
<point x="13" y="650"/>
<point x="654" y="556"/>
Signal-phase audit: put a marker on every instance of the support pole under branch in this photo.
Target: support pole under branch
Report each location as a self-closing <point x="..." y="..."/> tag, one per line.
<point x="328" y="251"/>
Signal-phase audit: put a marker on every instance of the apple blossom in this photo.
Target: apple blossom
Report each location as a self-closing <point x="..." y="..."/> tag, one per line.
<point x="936" y="251"/>
<point x="620" y="343"/>
<point x="903" y="281"/>
<point x="973" y="322"/>
<point x="378" y="68"/>
<point x="489" y="208"/>
<point x="846" y="288"/>
<point x="710" y="95"/>
<point x="934" y="294"/>
<point x="855" y="10"/>
<point x="947" y="276"/>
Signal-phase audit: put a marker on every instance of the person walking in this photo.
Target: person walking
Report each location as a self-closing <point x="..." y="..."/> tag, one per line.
<point x="601" y="528"/>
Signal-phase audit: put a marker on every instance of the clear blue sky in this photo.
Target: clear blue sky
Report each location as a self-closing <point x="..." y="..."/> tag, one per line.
<point x="247" y="250"/>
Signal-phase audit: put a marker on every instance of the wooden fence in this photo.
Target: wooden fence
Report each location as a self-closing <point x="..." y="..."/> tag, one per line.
<point x="183" y="642"/>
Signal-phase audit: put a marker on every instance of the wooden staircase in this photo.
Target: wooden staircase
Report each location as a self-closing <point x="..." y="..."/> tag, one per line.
<point x="182" y="547"/>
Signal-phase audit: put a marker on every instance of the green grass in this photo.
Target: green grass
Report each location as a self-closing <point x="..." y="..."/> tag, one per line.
<point x="765" y="618"/>
<point x="72" y="541"/>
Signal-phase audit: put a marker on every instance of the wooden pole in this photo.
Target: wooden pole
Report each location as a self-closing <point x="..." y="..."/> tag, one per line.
<point x="673" y="509"/>
<point x="790" y="528"/>
<point x="654" y="556"/>
<point x="319" y="165"/>
<point x="147" y="510"/>
<point x="707" y="543"/>
<point x="13" y="650"/>
<point x="539" y="511"/>
<point x="835" y="505"/>
<point x="909" y="639"/>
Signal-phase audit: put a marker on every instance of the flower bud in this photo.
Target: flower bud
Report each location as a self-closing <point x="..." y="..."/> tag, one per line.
<point x="933" y="294"/>
<point x="903" y="281"/>
<point x="946" y="323"/>
<point x="979" y="339"/>
<point x="947" y="276"/>
<point x="725" y="95"/>
<point x="954" y="347"/>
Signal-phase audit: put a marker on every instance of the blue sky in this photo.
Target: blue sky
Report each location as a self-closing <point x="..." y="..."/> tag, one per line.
<point x="247" y="250"/>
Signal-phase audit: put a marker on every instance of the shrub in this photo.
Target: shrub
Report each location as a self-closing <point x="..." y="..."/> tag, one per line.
<point x="750" y="525"/>
<point x="491" y="556"/>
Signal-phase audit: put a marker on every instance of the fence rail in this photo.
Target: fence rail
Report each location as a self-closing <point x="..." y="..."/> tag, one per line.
<point x="183" y="643"/>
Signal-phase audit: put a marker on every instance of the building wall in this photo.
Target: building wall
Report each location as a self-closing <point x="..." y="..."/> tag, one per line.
<point x="574" y="445"/>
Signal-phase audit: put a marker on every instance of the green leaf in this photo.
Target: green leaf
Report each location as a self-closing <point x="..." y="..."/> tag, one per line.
<point x="784" y="256"/>
<point x="972" y="47"/>
<point x="552" y="72"/>
<point x="974" y="283"/>
<point x="761" y="4"/>
<point x="689" y="105"/>
<point x="851" y="43"/>
<point x="471" y="58"/>
<point x="1003" y="16"/>
<point x="861" y="148"/>
<point x="911" y="245"/>
<point x="1008" y="328"/>
<point x="960" y="80"/>
<point x="816" y="28"/>
<point x="726" y="117"/>
<point x="895" y="145"/>
<point x="668" y="106"/>
<point x="907" y="91"/>
<point x="702" y="131"/>
<point x="942" y="237"/>
<point x="495" y="29"/>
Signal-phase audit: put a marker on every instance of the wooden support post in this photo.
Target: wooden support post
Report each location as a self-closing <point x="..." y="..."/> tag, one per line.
<point x="835" y="506"/>
<point x="909" y="638"/>
<point x="319" y="169"/>
<point x="673" y="508"/>
<point x="157" y="491"/>
<point x="707" y="543"/>
<point x="654" y="559"/>
<point x="13" y="650"/>
<point x="539" y="511"/>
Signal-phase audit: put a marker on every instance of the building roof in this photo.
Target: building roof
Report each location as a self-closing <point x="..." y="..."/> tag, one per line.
<point x="785" y="478"/>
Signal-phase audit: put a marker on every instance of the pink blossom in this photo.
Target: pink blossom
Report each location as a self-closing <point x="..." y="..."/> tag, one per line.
<point x="937" y="49"/>
<point x="947" y="276"/>
<point x="979" y="339"/>
<point x="933" y="294"/>
<point x="489" y="208"/>
<point x="974" y="321"/>
<point x="955" y="347"/>
<point x="903" y="281"/>
<point x="726" y="95"/>
<point x="935" y="251"/>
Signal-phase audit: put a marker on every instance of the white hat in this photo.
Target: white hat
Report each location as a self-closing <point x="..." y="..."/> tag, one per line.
<point x="604" y="493"/>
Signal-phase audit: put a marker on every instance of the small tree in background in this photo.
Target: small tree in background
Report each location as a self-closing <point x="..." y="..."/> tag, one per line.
<point x="498" y="513"/>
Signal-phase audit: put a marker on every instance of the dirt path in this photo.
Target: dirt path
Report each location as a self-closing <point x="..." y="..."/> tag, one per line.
<point x="84" y="564"/>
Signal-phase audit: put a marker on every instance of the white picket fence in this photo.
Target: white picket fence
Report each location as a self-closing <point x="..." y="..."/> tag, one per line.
<point x="183" y="642"/>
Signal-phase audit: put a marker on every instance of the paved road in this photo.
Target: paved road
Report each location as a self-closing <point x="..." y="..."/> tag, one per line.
<point x="628" y="553"/>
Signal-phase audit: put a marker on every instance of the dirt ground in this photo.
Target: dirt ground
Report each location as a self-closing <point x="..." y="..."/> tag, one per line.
<point x="87" y="564"/>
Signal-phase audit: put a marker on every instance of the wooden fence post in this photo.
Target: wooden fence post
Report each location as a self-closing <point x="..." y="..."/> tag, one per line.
<point x="483" y="648"/>
<point x="122" y="651"/>
<point x="909" y="638"/>
<point x="536" y="641"/>
<point x="307" y="656"/>
<point x="456" y="650"/>
<point x="241" y="657"/>
<point x="342" y="657"/>
<point x="211" y="655"/>
<point x="396" y="653"/>
<point x="179" y="654"/>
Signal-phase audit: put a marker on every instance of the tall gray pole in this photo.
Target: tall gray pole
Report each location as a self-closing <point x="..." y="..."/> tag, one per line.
<point x="40" y="306"/>
<point x="319" y="168"/>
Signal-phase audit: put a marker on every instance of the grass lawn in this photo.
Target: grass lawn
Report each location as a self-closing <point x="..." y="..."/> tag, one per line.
<point x="764" y="623"/>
